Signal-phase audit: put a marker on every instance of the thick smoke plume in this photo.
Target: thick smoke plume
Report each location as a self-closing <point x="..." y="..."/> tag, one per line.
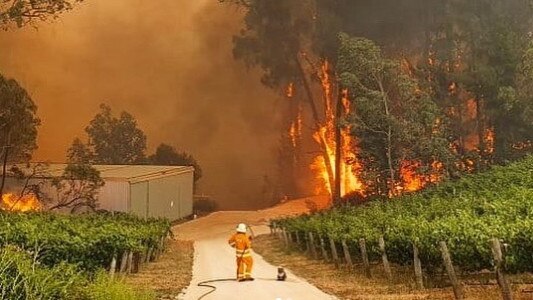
<point x="167" y="62"/>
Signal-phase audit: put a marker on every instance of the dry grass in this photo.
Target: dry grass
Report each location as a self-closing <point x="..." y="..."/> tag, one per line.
<point x="347" y="284"/>
<point x="170" y="274"/>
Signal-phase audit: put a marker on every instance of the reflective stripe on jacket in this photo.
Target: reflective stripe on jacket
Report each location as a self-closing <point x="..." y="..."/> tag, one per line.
<point x="242" y="244"/>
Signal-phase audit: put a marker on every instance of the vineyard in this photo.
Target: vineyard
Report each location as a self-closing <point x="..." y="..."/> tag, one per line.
<point x="51" y="256"/>
<point x="467" y="215"/>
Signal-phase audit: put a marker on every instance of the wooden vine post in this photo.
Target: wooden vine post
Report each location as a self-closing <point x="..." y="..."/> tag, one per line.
<point x="497" y="253"/>
<point x="364" y="254"/>
<point x="347" y="255"/>
<point x="289" y="235"/>
<point x="334" y="254"/>
<point x="285" y="239"/>
<point x="385" y="259"/>
<point x="129" y="264"/>
<point x="325" y="255"/>
<point x="113" y="266"/>
<point x="312" y="246"/>
<point x="123" y="261"/>
<point x="448" y="264"/>
<point x="418" y="268"/>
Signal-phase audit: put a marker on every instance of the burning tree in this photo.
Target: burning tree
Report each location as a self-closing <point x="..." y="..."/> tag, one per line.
<point x="446" y="100"/>
<point x="18" y="125"/>
<point x="397" y="123"/>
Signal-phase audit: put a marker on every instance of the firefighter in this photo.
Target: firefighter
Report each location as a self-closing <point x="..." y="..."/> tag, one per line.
<point x="243" y="247"/>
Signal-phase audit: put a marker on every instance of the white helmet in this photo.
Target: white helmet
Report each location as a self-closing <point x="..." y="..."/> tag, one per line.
<point x="241" y="228"/>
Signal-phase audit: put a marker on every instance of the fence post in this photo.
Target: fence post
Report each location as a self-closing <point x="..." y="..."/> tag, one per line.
<point x="364" y="254"/>
<point x="418" y="268"/>
<point x="136" y="263"/>
<point x="129" y="262"/>
<point x="285" y="239"/>
<point x="347" y="255"/>
<point x="289" y="235"/>
<point x="497" y="253"/>
<point x="123" y="261"/>
<point x="334" y="253"/>
<point x="113" y="266"/>
<point x="448" y="264"/>
<point x="325" y="255"/>
<point x="312" y="246"/>
<point x="146" y="255"/>
<point x="384" y="258"/>
<point x="307" y="246"/>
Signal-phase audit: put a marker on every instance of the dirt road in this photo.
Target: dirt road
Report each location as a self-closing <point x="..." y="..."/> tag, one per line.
<point x="214" y="259"/>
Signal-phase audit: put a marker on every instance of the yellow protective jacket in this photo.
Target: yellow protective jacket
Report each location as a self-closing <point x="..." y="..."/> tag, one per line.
<point x="242" y="244"/>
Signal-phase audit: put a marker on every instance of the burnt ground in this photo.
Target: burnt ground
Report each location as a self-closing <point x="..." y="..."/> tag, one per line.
<point x="355" y="285"/>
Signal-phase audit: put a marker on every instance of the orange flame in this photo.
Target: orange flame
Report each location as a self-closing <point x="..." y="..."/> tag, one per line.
<point x="290" y="90"/>
<point x="12" y="202"/>
<point x="349" y="168"/>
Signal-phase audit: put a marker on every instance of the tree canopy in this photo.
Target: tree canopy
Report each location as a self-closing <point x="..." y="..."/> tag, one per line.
<point x="112" y="140"/>
<point x="18" y="124"/>
<point x="22" y="12"/>
<point x="166" y="155"/>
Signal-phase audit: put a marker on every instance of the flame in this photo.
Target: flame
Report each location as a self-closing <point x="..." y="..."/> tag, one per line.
<point x="412" y="181"/>
<point x="289" y="92"/>
<point x="12" y="202"/>
<point x="295" y="129"/>
<point x="489" y="140"/>
<point x="325" y="136"/>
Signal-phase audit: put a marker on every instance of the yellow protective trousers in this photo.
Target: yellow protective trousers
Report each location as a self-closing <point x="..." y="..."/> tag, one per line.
<point x="244" y="267"/>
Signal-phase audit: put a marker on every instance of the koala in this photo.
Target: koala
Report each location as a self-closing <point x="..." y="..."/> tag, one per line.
<point x="281" y="274"/>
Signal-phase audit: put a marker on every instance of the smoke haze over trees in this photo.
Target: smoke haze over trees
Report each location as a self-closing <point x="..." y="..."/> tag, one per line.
<point x="168" y="63"/>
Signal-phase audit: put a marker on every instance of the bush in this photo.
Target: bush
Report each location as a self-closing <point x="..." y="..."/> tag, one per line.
<point x="105" y="288"/>
<point x="22" y="278"/>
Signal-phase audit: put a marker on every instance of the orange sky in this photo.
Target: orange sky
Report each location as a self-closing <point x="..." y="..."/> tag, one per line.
<point x="167" y="62"/>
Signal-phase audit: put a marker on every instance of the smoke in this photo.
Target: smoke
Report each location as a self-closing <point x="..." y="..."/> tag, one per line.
<point x="167" y="62"/>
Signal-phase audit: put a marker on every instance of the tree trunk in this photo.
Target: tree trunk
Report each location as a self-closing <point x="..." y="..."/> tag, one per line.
<point x="4" y="162"/>
<point x="392" y="179"/>
<point x="337" y="193"/>
<point x="316" y="118"/>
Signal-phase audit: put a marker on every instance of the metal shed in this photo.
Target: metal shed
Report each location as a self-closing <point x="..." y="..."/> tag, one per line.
<point x="143" y="190"/>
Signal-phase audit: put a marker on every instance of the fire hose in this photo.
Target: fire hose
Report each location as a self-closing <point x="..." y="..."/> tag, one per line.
<point x="214" y="288"/>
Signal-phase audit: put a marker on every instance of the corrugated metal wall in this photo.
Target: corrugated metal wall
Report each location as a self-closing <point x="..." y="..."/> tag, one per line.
<point x="114" y="195"/>
<point x="169" y="197"/>
<point x="139" y="199"/>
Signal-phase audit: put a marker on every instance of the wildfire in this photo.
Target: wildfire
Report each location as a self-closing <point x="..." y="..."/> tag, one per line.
<point x="324" y="164"/>
<point x="12" y="202"/>
<point x="489" y="140"/>
<point x="295" y="129"/>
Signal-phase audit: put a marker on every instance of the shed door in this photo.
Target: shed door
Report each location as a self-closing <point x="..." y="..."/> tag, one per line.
<point x="139" y="199"/>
